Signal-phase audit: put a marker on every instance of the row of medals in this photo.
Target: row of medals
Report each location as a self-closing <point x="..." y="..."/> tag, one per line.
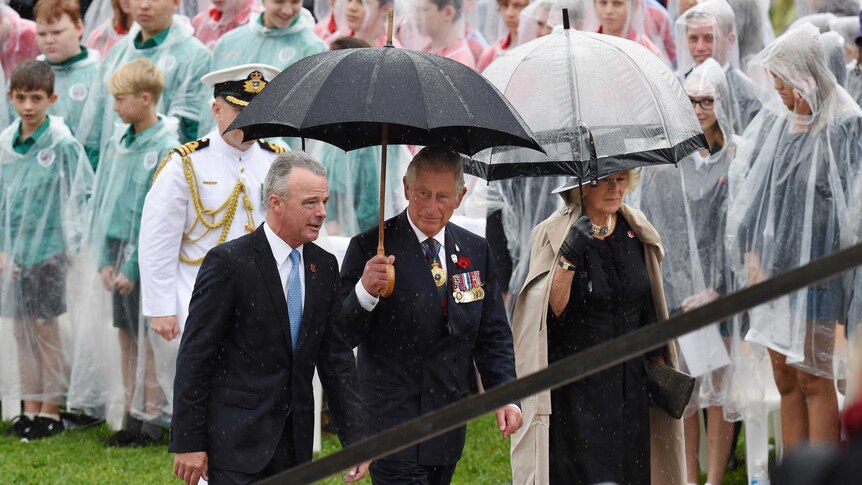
<point x="460" y="295"/>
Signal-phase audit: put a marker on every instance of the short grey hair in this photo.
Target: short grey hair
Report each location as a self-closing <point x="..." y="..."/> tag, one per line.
<point x="436" y="157"/>
<point x="276" y="179"/>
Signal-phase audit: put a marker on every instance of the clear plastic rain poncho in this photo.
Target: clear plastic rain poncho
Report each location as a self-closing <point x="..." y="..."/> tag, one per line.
<point x="833" y="54"/>
<point x="325" y="18"/>
<point x="848" y="29"/>
<point x="44" y="196"/>
<point x="98" y="379"/>
<point x="837" y="7"/>
<point x="212" y="24"/>
<point x="709" y="29"/>
<point x="819" y="20"/>
<point x="364" y="19"/>
<point x="792" y="207"/>
<point x="675" y="8"/>
<point x="541" y="16"/>
<point x="182" y="60"/>
<point x="688" y="207"/>
<point x="854" y="81"/>
<point x="753" y="27"/>
<point x="435" y="26"/>
<point x="354" y="186"/>
<point x="17" y="39"/>
<point x="74" y="84"/>
<point x="659" y="28"/>
<point x="633" y="27"/>
<point x="483" y="22"/>
<point x="255" y="43"/>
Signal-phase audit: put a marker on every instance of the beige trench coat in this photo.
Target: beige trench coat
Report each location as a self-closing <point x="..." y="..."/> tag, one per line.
<point x="530" y="444"/>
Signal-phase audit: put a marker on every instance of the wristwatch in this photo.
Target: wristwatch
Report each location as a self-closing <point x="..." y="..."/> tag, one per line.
<point x="566" y="266"/>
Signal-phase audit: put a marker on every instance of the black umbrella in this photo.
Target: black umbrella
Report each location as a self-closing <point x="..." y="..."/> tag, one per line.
<point x="355" y="98"/>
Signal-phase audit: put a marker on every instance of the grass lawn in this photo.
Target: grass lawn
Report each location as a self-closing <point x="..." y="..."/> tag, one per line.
<point x="78" y="457"/>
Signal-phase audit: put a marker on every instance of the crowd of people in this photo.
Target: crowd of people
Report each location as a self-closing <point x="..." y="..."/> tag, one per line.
<point x="118" y="179"/>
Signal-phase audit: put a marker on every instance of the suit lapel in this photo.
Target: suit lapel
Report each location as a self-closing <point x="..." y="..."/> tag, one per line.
<point x="455" y="312"/>
<point x="313" y="284"/>
<point x="272" y="281"/>
<point x="408" y="251"/>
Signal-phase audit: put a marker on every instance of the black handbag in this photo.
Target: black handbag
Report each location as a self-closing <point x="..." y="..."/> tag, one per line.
<point x="669" y="389"/>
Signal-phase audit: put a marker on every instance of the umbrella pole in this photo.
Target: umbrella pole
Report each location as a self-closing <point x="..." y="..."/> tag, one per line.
<point x="390" y="270"/>
<point x="581" y="192"/>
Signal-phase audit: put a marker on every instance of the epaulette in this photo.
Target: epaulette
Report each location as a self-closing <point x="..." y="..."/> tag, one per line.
<point x="271" y="147"/>
<point x="182" y="151"/>
<point x="191" y="147"/>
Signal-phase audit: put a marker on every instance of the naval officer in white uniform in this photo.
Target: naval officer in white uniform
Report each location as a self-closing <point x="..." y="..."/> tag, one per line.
<point x="204" y="193"/>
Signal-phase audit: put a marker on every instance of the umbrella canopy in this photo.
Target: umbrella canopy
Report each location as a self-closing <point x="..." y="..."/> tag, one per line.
<point x="345" y="97"/>
<point x="598" y="104"/>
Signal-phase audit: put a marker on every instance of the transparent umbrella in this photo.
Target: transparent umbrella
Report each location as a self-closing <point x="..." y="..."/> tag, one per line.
<point x="597" y="104"/>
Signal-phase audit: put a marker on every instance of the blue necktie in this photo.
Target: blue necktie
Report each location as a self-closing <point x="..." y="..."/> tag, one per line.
<point x="294" y="298"/>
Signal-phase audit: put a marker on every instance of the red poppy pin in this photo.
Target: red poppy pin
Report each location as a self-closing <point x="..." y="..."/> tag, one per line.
<point x="631" y="234"/>
<point x="463" y="262"/>
<point x="313" y="268"/>
<point x="722" y="181"/>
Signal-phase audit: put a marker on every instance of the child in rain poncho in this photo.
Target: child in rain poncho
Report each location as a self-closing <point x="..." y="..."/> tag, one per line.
<point x="168" y="41"/>
<point x="621" y="18"/>
<point x="438" y="27"/>
<point x="802" y="152"/>
<point x="510" y="10"/>
<point x="104" y="33"/>
<point x="18" y="42"/>
<point x="279" y="36"/>
<point x="224" y="16"/>
<point x="708" y="30"/>
<point x="688" y="207"/>
<point x="363" y="19"/>
<point x="45" y="182"/>
<point x="103" y="373"/>
<point x="59" y="30"/>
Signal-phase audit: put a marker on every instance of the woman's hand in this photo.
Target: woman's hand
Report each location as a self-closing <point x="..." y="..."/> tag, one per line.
<point x="108" y="275"/>
<point x="753" y="272"/>
<point x="577" y="240"/>
<point x="699" y="299"/>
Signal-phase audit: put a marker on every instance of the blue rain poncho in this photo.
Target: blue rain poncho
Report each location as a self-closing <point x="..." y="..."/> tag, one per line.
<point x="75" y="81"/>
<point x="122" y="180"/>
<point x="182" y="59"/>
<point x="254" y="42"/>
<point x="792" y="207"/>
<point x="44" y="194"/>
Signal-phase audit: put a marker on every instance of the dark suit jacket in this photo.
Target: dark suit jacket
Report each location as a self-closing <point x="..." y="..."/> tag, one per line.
<point x="412" y="358"/>
<point x="238" y="380"/>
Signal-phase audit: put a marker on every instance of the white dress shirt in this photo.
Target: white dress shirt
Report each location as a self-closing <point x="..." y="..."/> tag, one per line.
<point x="368" y="301"/>
<point x="281" y="251"/>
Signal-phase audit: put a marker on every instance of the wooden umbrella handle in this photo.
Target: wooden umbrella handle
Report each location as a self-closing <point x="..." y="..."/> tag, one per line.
<point x="390" y="270"/>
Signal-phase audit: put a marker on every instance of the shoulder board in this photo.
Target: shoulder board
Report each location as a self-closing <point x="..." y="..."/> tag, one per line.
<point x="191" y="147"/>
<point x="271" y="147"/>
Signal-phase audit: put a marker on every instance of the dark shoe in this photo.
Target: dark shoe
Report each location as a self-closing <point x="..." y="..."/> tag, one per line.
<point x="20" y="424"/>
<point x="43" y="428"/>
<point x="121" y="438"/>
<point x="143" y="440"/>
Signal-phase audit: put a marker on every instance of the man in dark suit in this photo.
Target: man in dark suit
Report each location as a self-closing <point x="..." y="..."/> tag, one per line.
<point x="262" y="315"/>
<point x="417" y="347"/>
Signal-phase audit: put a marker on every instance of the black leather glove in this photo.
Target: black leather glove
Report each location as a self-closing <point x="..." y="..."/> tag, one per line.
<point x="578" y="239"/>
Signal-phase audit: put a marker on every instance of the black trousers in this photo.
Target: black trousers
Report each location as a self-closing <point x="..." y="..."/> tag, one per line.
<point x="283" y="458"/>
<point x="392" y="472"/>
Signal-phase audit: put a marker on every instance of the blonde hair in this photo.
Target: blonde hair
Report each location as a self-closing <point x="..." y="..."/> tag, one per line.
<point x="136" y="77"/>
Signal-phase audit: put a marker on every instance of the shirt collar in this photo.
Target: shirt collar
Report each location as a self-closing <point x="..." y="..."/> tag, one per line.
<point x="280" y="249"/>
<point x="130" y="137"/>
<point x="151" y="42"/>
<point x="79" y="57"/>
<point x="22" y="146"/>
<point x="440" y="237"/>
